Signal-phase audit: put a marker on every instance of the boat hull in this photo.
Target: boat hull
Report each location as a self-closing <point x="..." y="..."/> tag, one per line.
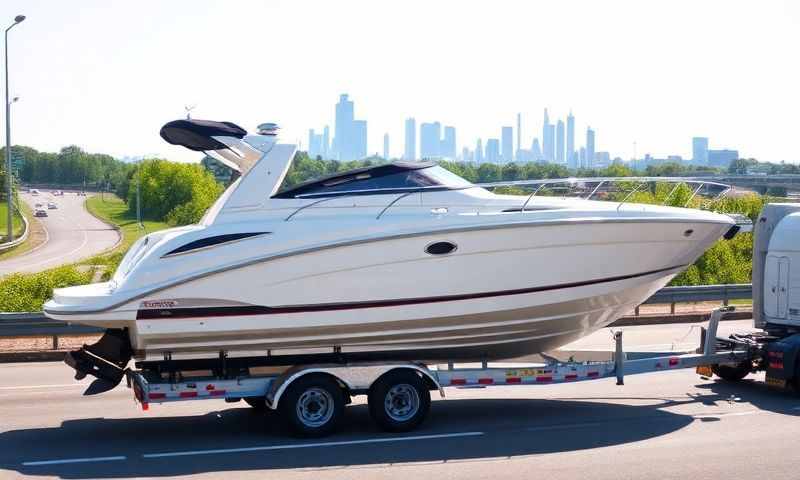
<point x="506" y="292"/>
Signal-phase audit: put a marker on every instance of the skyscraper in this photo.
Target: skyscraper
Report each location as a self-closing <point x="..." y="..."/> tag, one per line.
<point x="519" y="137"/>
<point x="343" y="130"/>
<point x="448" y="146"/>
<point x="536" y="151"/>
<point x="312" y="152"/>
<point x="548" y="140"/>
<point x="326" y="143"/>
<point x="493" y="150"/>
<point x="386" y="146"/>
<point x="571" y="160"/>
<point x="560" y="158"/>
<point x="359" y="145"/>
<point x="700" y="150"/>
<point x="410" y="152"/>
<point x="507" y="134"/>
<point x="479" y="151"/>
<point x="589" y="147"/>
<point x="430" y="139"/>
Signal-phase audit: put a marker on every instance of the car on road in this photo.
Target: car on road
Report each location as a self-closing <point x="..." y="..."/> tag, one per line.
<point x="40" y="212"/>
<point x="51" y="206"/>
<point x="38" y="205"/>
<point x="34" y="192"/>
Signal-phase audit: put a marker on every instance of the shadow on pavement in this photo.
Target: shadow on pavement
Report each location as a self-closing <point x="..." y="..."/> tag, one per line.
<point x="513" y="427"/>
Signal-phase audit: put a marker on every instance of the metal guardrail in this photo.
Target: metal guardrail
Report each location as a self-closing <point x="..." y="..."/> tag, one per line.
<point x="35" y="324"/>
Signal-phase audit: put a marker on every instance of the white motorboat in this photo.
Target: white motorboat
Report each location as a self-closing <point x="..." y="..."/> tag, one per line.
<point x="396" y="261"/>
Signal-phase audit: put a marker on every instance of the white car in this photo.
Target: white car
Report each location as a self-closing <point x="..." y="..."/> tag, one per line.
<point x="51" y="206"/>
<point x="40" y="212"/>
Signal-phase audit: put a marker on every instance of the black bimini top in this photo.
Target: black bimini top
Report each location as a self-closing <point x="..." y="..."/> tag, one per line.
<point x="388" y="178"/>
<point x="196" y="134"/>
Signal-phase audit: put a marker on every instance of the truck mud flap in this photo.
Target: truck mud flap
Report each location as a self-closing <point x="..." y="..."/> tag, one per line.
<point x="105" y="360"/>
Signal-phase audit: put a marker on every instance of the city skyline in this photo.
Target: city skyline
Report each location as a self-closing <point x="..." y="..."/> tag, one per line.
<point x="615" y="71"/>
<point x="437" y="141"/>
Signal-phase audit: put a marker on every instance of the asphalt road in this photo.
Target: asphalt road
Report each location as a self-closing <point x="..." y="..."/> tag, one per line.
<point x="669" y="425"/>
<point x="72" y="234"/>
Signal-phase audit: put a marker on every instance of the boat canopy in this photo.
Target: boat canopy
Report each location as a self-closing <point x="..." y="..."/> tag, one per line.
<point x="386" y="178"/>
<point x="199" y="135"/>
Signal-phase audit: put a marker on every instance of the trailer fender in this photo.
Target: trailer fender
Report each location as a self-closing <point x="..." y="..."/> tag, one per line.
<point x="782" y="358"/>
<point x="354" y="379"/>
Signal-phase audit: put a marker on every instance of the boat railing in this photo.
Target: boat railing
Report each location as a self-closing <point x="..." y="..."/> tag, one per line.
<point x="566" y="186"/>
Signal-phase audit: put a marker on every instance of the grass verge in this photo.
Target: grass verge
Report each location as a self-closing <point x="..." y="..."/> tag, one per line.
<point x="17" y="221"/>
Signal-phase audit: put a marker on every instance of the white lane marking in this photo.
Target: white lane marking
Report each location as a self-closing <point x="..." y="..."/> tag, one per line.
<point x="75" y="460"/>
<point x="311" y="445"/>
<point x="24" y="387"/>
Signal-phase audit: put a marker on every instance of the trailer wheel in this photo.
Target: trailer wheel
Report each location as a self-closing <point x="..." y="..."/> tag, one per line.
<point x="312" y="406"/>
<point x="399" y="401"/>
<point x="732" y="373"/>
<point x="258" y="403"/>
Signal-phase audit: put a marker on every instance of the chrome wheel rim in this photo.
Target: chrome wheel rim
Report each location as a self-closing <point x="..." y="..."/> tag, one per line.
<point x="401" y="402"/>
<point x="315" y="407"/>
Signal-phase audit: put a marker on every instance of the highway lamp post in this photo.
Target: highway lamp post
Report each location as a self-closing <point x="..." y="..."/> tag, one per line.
<point x="10" y="237"/>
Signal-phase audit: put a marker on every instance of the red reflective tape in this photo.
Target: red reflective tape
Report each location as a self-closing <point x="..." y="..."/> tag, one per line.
<point x="775" y="365"/>
<point x="673" y="361"/>
<point x="572" y="376"/>
<point x="513" y="380"/>
<point x="485" y="381"/>
<point x="544" y="378"/>
<point x="145" y="406"/>
<point x="217" y="393"/>
<point x="187" y="394"/>
<point x="458" y="381"/>
<point x="593" y="374"/>
<point x="156" y="396"/>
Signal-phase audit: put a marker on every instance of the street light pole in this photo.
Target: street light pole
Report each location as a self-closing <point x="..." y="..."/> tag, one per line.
<point x="10" y="237"/>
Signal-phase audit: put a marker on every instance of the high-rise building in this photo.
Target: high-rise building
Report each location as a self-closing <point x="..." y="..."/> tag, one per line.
<point x="311" y="147"/>
<point x="507" y="134"/>
<point x="582" y="158"/>
<point x="536" y="151"/>
<point x="343" y="130"/>
<point x="560" y="158"/>
<point x="519" y="136"/>
<point x="430" y="140"/>
<point x="466" y="155"/>
<point x="571" y="160"/>
<point x="448" y="146"/>
<point x="548" y="139"/>
<point x="350" y="135"/>
<point x="493" y="150"/>
<point x="326" y="143"/>
<point x="410" y="152"/>
<point x="722" y="158"/>
<point x="359" y="145"/>
<point x="700" y="150"/>
<point x="386" y="146"/>
<point x="589" y="147"/>
<point x="479" y="151"/>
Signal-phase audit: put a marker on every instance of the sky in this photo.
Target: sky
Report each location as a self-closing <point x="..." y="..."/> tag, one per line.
<point x="105" y="75"/>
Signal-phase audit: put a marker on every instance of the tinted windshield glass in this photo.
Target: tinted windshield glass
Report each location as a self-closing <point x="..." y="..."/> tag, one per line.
<point x="434" y="176"/>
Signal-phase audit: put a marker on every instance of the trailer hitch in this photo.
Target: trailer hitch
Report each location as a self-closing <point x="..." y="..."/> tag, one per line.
<point x="105" y="360"/>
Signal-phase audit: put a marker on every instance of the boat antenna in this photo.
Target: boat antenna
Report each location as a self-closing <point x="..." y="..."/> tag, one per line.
<point x="188" y="109"/>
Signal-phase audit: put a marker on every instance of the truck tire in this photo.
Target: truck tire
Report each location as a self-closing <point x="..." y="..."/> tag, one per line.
<point x="399" y="401"/>
<point x="258" y="403"/>
<point x="312" y="406"/>
<point x="732" y="373"/>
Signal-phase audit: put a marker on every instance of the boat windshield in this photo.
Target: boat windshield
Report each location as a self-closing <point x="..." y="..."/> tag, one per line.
<point x="390" y="178"/>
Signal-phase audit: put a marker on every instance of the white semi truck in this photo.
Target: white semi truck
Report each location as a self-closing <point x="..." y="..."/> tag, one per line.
<point x="311" y="397"/>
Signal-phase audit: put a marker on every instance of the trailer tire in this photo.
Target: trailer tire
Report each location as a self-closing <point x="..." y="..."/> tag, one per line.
<point x="312" y="406"/>
<point x="399" y="401"/>
<point x="732" y="373"/>
<point x="258" y="403"/>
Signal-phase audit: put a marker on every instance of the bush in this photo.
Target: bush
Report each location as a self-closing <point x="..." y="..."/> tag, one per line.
<point x="28" y="292"/>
